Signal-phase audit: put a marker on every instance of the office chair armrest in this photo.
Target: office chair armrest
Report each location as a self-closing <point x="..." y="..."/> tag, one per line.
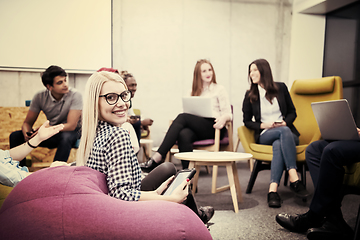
<point x="246" y="137"/>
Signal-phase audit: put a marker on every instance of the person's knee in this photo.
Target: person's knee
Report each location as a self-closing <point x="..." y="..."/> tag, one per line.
<point x="331" y="151"/>
<point x="16" y="138"/>
<point x="169" y="168"/>
<point x="185" y="135"/>
<point x="181" y="115"/>
<point x="181" y="118"/>
<point x="67" y="138"/>
<point x="285" y="130"/>
<point x="276" y="144"/>
<point x="16" y="134"/>
<point x="310" y="150"/>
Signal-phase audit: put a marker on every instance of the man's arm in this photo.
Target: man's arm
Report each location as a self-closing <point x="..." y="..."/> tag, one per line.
<point x="28" y="124"/>
<point x="72" y="120"/>
<point x="146" y="122"/>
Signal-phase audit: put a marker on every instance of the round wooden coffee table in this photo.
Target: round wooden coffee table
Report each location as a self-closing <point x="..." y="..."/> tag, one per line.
<point x="215" y="159"/>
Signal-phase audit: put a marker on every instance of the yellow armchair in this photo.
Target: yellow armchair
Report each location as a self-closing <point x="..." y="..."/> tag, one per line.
<point x="303" y="93"/>
<point x="4" y="192"/>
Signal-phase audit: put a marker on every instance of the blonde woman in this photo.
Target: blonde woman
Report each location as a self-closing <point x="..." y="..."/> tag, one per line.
<point x="106" y="147"/>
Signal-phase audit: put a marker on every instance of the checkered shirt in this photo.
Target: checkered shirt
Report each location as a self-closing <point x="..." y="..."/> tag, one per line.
<point x="113" y="155"/>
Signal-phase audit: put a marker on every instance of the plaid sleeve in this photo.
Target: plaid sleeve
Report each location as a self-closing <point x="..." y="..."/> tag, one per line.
<point x="124" y="174"/>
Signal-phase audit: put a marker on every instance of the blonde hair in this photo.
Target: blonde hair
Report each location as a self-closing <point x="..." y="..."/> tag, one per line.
<point x="197" y="85"/>
<point x="90" y="112"/>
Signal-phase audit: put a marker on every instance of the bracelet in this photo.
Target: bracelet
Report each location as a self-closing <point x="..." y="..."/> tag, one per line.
<point x="28" y="142"/>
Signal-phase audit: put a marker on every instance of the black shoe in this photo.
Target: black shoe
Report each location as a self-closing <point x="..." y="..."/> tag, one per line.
<point x="299" y="189"/>
<point x="206" y="213"/>
<point x="298" y="223"/>
<point x="149" y="165"/>
<point x="333" y="228"/>
<point x="274" y="200"/>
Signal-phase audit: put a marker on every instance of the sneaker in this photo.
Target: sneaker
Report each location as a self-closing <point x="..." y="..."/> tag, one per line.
<point x="10" y="171"/>
<point x="299" y="189"/>
<point x="274" y="200"/>
<point x="206" y="213"/>
<point x="300" y="222"/>
<point x="149" y="165"/>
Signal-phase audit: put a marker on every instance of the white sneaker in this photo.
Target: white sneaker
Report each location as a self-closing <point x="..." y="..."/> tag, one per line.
<point x="10" y="171"/>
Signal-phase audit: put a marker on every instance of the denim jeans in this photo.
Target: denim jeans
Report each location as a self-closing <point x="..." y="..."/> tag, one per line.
<point x="284" y="144"/>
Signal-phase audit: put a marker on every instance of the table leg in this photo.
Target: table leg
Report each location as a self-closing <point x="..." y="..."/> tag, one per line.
<point x="214" y="178"/>
<point x="196" y="177"/>
<point x="191" y="164"/>
<point x="237" y="182"/>
<point x="230" y="174"/>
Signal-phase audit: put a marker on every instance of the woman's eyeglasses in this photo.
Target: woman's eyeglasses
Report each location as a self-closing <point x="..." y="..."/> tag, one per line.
<point x="113" y="98"/>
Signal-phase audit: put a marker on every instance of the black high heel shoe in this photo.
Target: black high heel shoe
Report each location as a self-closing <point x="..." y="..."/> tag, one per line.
<point x="149" y="165"/>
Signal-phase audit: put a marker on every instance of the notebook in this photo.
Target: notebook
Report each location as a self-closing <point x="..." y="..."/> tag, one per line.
<point x="199" y="106"/>
<point x="335" y="120"/>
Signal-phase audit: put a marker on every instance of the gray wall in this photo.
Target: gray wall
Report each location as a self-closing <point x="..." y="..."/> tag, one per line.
<point x="159" y="41"/>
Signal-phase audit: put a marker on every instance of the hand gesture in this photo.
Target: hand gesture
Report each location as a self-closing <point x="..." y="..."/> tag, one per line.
<point x="147" y="122"/>
<point x="279" y="124"/>
<point x="46" y="131"/>
<point x="220" y="122"/>
<point x="132" y="119"/>
<point x="267" y="125"/>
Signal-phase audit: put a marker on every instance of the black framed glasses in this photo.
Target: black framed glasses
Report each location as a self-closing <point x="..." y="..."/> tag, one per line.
<point x="113" y="98"/>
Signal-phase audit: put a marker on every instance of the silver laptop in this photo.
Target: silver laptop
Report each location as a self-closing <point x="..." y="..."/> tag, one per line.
<point x="199" y="106"/>
<point x="335" y="120"/>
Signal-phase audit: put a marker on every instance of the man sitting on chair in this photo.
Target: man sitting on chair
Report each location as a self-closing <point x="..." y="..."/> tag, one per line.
<point x="324" y="219"/>
<point x="61" y="105"/>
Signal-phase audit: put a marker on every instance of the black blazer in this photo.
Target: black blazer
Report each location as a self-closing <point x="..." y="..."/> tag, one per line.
<point x="287" y="110"/>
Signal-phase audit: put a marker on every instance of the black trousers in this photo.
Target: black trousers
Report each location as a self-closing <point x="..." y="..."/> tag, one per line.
<point x="137" y="128"/>
<point x="325" y="160"/>
<point x="63" y="141"/>
<point x="159" y="175"/>
<point x="186" y="129"/>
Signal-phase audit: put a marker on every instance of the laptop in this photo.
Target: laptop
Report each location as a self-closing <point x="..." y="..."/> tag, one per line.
<point x="199" y="106"/>
<point x="335" y="120"/>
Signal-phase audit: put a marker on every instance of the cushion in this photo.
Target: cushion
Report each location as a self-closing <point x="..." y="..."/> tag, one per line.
<point x="310" y="86"/>
<point x="268" y="148"/>
<point x="72" y="203"/>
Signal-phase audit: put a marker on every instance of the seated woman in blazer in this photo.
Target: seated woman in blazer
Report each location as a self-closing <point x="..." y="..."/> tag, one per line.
<point x="271" y="106"/>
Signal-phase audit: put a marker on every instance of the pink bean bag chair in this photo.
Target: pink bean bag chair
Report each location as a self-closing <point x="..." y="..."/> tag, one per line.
<point x="72" y="203"/>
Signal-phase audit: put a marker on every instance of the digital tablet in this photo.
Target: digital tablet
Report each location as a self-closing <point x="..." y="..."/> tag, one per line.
<point x="179" y="178"/>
